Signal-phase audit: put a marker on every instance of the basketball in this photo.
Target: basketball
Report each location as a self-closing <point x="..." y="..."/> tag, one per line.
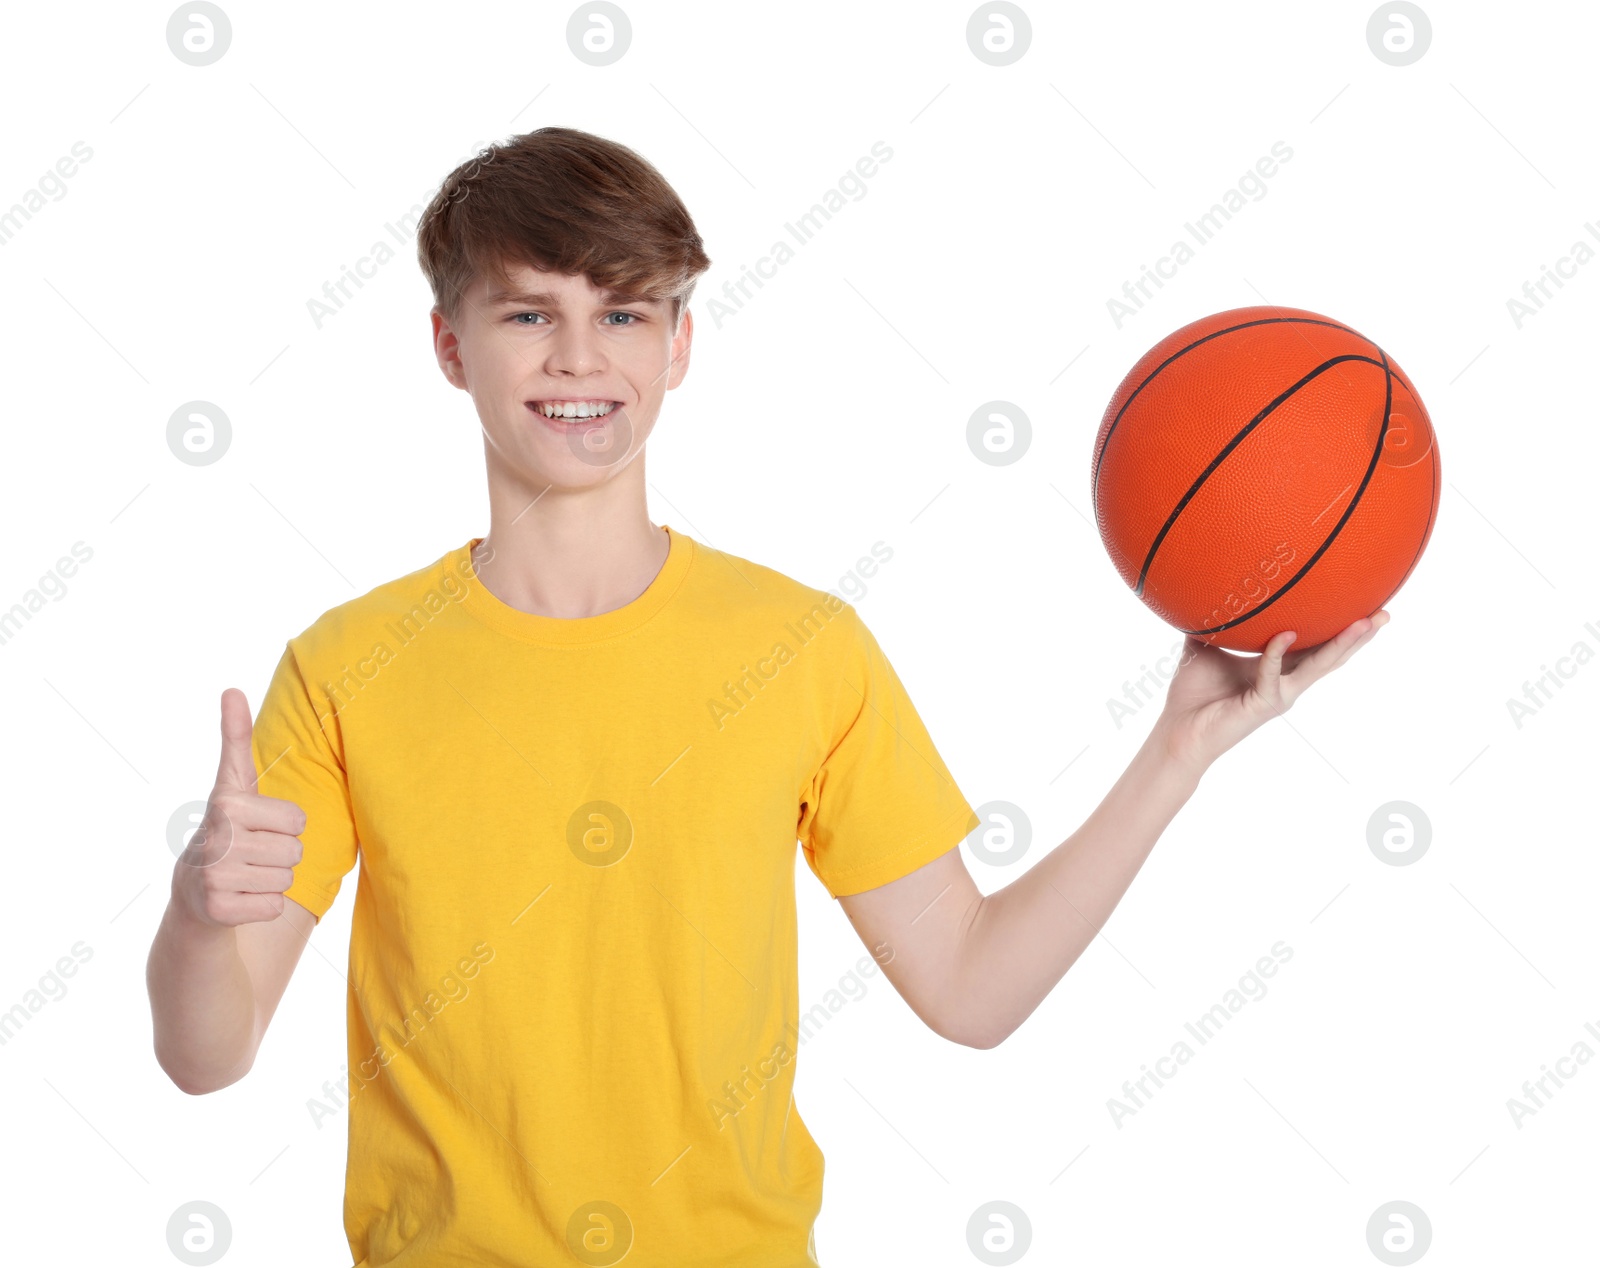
<point x="1265" y="469"/>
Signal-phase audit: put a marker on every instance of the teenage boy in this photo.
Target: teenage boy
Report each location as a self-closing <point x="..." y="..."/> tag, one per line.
<point x="574" y="757"/>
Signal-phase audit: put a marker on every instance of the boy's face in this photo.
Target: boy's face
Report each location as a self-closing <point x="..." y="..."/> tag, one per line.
<point x="552" y="340"/>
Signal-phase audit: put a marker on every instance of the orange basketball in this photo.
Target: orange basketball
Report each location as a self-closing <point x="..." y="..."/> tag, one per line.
<point x="1265" y="469"/>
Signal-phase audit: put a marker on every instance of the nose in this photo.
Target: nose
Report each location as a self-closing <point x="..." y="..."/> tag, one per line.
<point x="574" y="350"/>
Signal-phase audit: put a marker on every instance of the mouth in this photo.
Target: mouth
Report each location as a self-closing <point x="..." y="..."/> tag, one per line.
<point x="574" y="415"/>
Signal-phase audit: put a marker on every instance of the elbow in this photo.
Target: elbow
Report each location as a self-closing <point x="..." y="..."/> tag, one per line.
<point x="184" y="1083"/>
<point x="193" y="1083"/>
<point x="203" y="1087"/>
<point x="973" y="1032"/>
<point x="984" y="1039"/>
<point x="965" y="1018"/>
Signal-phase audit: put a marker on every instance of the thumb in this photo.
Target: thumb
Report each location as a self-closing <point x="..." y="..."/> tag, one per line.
<point x="237" y="768"/>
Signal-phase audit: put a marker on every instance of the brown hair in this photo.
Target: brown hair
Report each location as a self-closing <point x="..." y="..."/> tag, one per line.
<point x="565" y="201"/>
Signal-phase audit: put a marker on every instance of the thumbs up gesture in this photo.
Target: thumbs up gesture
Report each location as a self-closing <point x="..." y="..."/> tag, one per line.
<point x="241" y="858"/>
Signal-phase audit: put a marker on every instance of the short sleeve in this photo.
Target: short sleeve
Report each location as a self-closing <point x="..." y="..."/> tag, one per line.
<point x="299" y="757"/>
<point x="882" y="803"/>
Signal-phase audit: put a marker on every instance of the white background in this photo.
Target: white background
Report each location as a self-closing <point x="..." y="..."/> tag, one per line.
<point x="827" y="415"/>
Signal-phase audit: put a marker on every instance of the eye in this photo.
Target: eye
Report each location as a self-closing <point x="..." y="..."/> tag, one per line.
<point x="634" y="316"/>
<point x="517" y="318"/>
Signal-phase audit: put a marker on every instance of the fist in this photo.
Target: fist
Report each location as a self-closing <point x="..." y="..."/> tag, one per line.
<point x="241" y="858"/>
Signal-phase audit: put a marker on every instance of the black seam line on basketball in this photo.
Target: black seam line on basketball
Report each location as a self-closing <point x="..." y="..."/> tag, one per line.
<point x="1433" y="501"/>
<point x="1215" y="334"/>
<point x="1094" y="493"/>
<point x="1427" y="527"/>
<point x="1237" y="440"/>
<point x="1372" y="465"/>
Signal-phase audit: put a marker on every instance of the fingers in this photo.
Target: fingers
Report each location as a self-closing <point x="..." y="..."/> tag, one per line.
<point x="241" y="861"/>
<point x="237" y="769"/>
<point x="1270" y="669"/>
<point x="236" y="832"/>
<point x="1355" y="643"/>
<point x="244" y="909"/>
<point x="266" y="880"/>
<point x="233" y="818"/>
<point x="269" y="850"/>
<point x="251" y="812"/>
<point x="244" y="883"/>
<point x="1307" y="666"/>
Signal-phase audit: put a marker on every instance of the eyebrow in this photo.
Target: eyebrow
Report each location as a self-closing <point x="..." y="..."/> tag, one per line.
<point x="544" y="299"/>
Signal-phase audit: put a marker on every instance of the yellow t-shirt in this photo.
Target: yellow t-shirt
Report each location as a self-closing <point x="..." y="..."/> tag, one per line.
<point x="574" y="1008"/>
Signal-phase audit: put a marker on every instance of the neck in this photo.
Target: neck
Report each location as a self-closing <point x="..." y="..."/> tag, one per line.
<point x="570" y="555"/>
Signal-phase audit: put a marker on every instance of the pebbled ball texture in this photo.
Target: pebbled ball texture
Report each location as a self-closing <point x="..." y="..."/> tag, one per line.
<point x="1265" y="469"/>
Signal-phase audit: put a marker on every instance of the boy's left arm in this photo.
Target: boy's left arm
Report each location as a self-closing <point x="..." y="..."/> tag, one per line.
<point x="973" y="967"/>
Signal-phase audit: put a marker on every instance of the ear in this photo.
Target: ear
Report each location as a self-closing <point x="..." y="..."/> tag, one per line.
<point x="447" y="348"/>
<point x="681" y="342"/>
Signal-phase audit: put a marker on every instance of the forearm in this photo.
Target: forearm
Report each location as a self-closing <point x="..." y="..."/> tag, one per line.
<point x="1021" y="940"/>
<point x="202" y="1003"/>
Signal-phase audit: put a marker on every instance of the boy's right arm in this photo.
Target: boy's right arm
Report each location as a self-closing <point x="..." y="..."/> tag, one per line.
<point x="229" y="939"/>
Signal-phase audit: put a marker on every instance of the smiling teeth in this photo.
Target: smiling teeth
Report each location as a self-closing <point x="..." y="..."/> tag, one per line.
<point x="575" y="409"/>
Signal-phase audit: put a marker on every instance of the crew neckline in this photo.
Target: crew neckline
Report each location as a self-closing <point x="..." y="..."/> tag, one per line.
<point x="567" y="631"/>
